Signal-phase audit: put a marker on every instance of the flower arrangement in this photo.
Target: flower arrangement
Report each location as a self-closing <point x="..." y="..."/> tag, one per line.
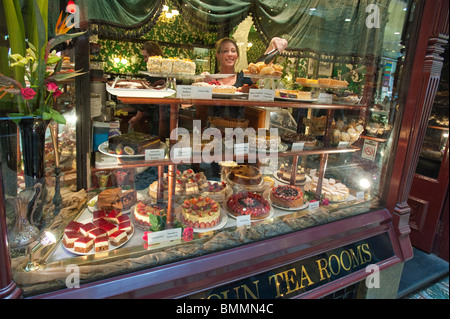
<point x="35" y="66"/>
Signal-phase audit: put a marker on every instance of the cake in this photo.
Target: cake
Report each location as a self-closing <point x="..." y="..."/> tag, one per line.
<point x="132" y="143"/>
<point x="215" y="190"/>
<point x="200" y="212"/>
<point x="113" y="216"/>
<point x="73" y="226"/>
<point x="101" y="244"/>
<point x="142" y="212"/>
<point x="228" y="122"/>
<point x="284" y="173"/>
<point x="264" y="140"/>
<point x="109" y="199"/>
<point x="158" y="64"/>
<point x="290" y="138"/>
<point x="154" y="64"/>
<point x="69" y="238"/>
<point x="186" y="183"/>
<point x="332" y="190"/>
<point x="115" y="199"/>
<point x="87" y="228"/>
<point x="98" y="232"/>
<point x="98" y="214"/>
<point x="118" y="238"/>
<point x="83" y="245"/>
<point x="246" y="203"/>
<point x="126" y="227"/>
<point x="245" y="175"/>
<point x="106" y="226"/>
<point x="294" y="94"/>
<point x="288" y="196"/>
<point x="217" y="87"/>
<point x="128" y="198"/>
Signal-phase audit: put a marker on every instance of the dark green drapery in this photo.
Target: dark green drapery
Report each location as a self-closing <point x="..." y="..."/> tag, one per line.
<point x="323" y="30"/>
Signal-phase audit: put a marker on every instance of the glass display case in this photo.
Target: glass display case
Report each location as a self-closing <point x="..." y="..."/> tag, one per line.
<point x="311" y="178"/>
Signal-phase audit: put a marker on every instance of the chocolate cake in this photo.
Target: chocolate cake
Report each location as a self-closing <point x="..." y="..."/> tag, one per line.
<point x="132" y="143"/>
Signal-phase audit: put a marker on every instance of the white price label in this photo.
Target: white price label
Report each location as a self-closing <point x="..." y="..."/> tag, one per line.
<point x="342" y="145"/>
<point x="360" y="195"/>
<point x="185" y="91"/>
<point x="203" y="92"/>
<point x="261" y="95"/>
<point x="163" y="236"/>
<point x="313" y="205"/>
<point x="298" y="146"/>
<point x="244" y="220"/>
<point x="155" y="154"/>
<point x="181" y="153"/>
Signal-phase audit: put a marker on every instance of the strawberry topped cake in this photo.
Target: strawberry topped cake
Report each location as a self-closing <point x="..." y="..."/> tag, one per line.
<point x="247" y="203"/>
<point x="288" y="196"/>
<point x="142" y="212"/>
<point x="200" y="212"/>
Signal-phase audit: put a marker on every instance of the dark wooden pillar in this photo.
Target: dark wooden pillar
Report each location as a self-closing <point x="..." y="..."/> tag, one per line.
<point x="425" y="63"/>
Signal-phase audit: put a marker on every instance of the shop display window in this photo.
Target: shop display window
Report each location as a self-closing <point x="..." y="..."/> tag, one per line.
<point x="317" y="150"/>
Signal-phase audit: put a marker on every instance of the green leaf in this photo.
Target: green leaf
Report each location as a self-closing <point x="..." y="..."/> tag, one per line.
<point x="57" y="117"/>
<point x="62" y="38"/>
<point x="46" y="116"/>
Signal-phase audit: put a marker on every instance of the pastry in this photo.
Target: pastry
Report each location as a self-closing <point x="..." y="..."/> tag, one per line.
<point x="142" y="212"/>
<point x="83" y="245"/>
<point x="200" y="212"/>
<point x="101" y="244"/>
<point x="109" y="199"/>
<point x="290" y="138"/>
<point x="284" y="173"/>
<point x="245" y="175"/>
<point x="288" y="196"/>
<point x="132" y="143"/>
<point x="248" y="204"/>
<point x="69" y="238"/>
<point x="118" y="238"/>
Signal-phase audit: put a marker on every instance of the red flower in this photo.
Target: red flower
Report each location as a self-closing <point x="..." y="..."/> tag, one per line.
<point x="57" y="93"/>
<point x="52" y="87"/>
<point x="188" y="234"/>
<point x="27" y="93"/>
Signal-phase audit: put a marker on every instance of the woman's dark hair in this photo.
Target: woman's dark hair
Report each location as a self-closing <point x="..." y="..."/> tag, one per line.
<point x="152" y="48"/>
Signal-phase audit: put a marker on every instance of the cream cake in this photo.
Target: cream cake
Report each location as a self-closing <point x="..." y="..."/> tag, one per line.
<point x="83" y="245"/>
<point x="118" y="238"/>
<point x="200" y="212"/>
<point x="73" y="226"/>
<point x="126" y="227"/>
<point x="142" y="212"/>
<point x="69" y="238"/>
<point x="331" y="189"/>
<point x="101" y="244"/>
<point x="87" y="228"/>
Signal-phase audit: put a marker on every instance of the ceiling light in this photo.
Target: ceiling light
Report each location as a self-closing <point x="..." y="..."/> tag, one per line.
<point x="312" y="9"/>
<point x="348" y="20"/>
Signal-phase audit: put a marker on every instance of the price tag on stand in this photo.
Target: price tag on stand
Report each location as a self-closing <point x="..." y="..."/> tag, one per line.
<point x="203" y="92"/>
<point x="359" y="195"/>
<point x="163" y="236"/>
<point x="185" y="92"/>
<point x="313" y="205"/>
<point x="244" y="220"/>
<point x="181" y="153"/>
<point x="155" y="154"/>
<point x="298" y="146"/>
<point x="261" y="95"/>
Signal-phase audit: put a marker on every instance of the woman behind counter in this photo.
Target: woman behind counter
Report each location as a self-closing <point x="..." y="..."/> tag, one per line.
<point x="227" y="55"/>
